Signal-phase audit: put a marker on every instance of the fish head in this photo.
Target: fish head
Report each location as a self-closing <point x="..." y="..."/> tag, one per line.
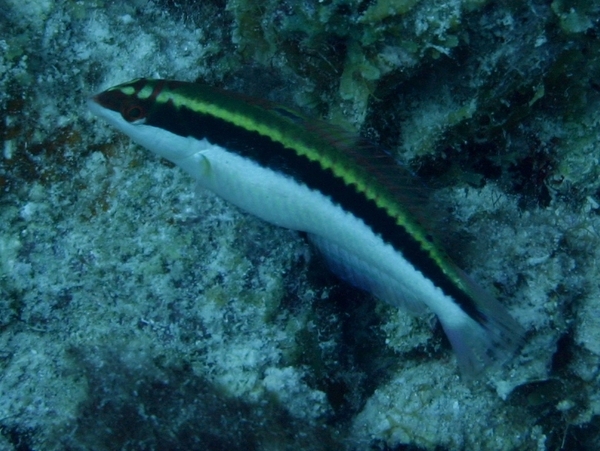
<point x="145" y="110"/>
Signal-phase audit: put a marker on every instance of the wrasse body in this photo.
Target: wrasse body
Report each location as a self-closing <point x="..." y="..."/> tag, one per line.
<point x="349" y="197"/>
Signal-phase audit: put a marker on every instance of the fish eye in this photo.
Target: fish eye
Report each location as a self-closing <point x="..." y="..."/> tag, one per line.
<point x="132" y="113"/>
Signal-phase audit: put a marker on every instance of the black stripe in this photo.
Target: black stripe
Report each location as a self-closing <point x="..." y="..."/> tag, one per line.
<point x="273" y="155"/>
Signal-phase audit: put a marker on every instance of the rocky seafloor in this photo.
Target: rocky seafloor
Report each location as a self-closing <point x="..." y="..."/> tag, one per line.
<point x="138" y="312"/>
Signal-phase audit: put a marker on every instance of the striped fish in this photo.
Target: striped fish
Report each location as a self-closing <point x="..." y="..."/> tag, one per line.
<point x="351" y="199"/>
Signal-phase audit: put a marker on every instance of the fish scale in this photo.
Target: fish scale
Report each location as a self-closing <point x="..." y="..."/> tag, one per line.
<point x="356" y="205"/>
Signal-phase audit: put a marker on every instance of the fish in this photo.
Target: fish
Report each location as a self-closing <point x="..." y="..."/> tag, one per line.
<point x="355" y="203"/>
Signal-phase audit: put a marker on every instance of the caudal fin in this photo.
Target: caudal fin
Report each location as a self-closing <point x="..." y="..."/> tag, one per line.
<point x="487" y="340"/>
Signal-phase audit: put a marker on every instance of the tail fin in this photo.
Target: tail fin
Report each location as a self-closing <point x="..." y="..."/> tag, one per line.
<point x="489" y="340"/>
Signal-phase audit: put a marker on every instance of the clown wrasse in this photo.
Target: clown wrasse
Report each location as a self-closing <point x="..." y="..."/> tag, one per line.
<point x="351" y="198"/>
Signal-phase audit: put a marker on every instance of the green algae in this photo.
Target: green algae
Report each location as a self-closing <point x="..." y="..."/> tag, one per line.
<point x="574" y="16"/>
<point x="354" y="43"/>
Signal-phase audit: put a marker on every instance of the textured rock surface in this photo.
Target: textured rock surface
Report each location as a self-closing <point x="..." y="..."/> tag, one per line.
<point x="137" y="312"/>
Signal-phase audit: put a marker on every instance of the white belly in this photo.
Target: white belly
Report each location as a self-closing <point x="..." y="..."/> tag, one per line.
<point x="354" y="252"/>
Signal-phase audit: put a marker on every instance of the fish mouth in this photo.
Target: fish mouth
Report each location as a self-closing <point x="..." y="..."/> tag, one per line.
<point x="96" y="107"/>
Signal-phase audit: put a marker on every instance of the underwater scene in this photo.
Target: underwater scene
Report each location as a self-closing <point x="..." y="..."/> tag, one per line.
<point x="299" y="225"/>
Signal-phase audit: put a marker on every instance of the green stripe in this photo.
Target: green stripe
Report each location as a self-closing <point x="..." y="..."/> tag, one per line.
<point x="202" y="99"/>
